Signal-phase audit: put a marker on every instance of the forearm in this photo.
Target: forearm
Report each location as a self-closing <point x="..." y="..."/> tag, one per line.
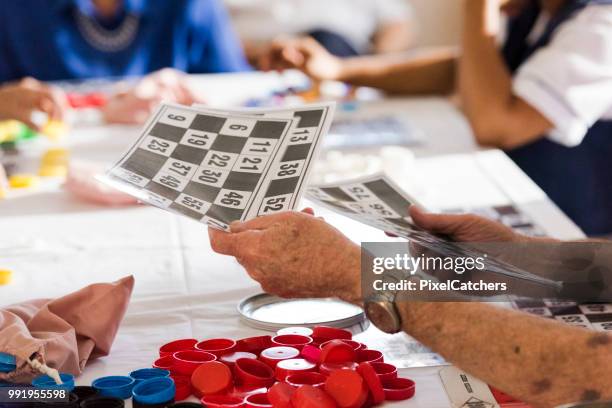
<point x="539" y="361"/>
<point x="497" y="116"/>
<point x="484" y="81"/>
<point x="428" y="72"/>
<point x="393" y="37"/>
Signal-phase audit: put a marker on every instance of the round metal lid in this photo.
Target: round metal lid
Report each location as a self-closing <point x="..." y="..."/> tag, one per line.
<point x="267" y="312"/>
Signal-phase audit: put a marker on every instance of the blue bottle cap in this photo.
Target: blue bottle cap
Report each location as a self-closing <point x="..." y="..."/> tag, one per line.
<point x="117" y="386"/>
<point x="154" y="391"/>
<point x="44" y="381"/>
<point x="148" y="373"/>
<point x="8" y="363"/>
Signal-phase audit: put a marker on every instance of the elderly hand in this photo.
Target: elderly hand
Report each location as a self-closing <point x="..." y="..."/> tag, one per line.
<point x="305" y="54"/>
<point x="136" y="104"/>
<point x="294" y="254"/>
<point x="464" y="227"/>
<point x="18" y="101"/>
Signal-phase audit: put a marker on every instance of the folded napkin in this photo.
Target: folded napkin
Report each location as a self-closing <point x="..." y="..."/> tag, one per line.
<point x="66" y="332"/>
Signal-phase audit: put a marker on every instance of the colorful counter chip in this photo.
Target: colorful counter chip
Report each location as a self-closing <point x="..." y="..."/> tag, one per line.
<point x="55" y="130"/>
<point x="23" y="181"/>
<point x="6" y="276"/>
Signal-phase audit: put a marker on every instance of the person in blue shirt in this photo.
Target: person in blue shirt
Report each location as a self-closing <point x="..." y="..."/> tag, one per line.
<point x="79" y="39"/>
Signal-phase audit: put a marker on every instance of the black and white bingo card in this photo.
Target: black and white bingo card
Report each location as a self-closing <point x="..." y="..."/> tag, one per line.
<point x="373" y="200"/>
<point x="217" y="167"/>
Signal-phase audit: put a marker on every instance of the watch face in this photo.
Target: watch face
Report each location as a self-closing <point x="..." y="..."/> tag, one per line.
<point x="383" y="316"/>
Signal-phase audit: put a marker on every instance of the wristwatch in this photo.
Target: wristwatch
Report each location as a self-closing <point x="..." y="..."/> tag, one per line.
<point x="380" y="309"/>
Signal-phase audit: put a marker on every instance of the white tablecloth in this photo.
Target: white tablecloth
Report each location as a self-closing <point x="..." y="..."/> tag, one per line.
<point x="55" y="244"/>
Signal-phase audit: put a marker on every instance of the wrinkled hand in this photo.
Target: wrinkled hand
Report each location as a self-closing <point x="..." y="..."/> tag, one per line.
<point x="294" y="255"/>
<point x="136" y="104"/>
<point x="464" y="227"/>
<point x="19" y="100"/>
<point x="305" y="54"/>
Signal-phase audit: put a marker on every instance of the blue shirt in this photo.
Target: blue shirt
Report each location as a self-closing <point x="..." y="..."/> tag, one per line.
<point x="64" y="39"/>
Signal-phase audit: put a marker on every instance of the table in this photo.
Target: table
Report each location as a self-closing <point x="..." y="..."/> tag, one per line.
<point x="55" y="244"/>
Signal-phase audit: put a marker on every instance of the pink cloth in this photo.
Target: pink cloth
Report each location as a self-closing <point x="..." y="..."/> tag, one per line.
<point x="66" y="332"/>
<point x="82" y="183"/>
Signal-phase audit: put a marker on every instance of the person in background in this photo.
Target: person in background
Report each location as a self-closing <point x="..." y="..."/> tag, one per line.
<point x="344" y="27"/>
<point x="542" y="362"/>
<point x="19" y="100"/>
<point x="84" y="39"/>
<point x="545" y="97"/>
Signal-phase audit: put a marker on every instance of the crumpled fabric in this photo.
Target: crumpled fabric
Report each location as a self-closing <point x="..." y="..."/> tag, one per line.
<point x="66" y="332"/>
<point x="82" y="183"/>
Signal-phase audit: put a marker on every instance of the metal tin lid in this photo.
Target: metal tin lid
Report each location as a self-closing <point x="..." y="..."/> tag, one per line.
<point x="267" y="312"/>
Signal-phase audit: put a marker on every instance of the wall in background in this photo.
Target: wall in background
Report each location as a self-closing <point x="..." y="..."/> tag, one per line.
<point x="439" y="21"/>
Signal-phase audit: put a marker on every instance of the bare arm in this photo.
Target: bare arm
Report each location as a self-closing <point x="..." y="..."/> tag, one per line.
<point x="425" y="72"/>
<point x="539" y="361"/>
<point x="498" y="117"/>
<point x="393" y="37"/>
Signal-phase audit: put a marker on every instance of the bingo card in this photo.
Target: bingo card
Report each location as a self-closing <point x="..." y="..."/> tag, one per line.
<point x="217" y="167"/>
<point x="378" y="202"/>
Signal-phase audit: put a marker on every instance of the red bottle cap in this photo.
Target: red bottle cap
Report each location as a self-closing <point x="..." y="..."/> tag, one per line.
<point x="165" y="363"/>
<point x="372" y="381"/>
<point x="308" y="396"/>
<point x="280" y="395"/>
<point x="397" y="389"/>
<point x="253" y="372"/>
<point x="328" y="368"/>
<point x="271" y="356"/>
<point x="347" y="388"/>
<point x="183" y="387"/>
<point x="370" y="356"/>
<point x="177" y="345"/>
<point x="304" y="331"/>
<point x="243" y="390"/>
<point x="212" y="377"/>
<point x="285" y="368"/>
<point x="222" y="401"/>
<point x="254" y="344"/>
<point x="354" y="344"/>
<point x="185" y="362"/>
<point x="311" y="353"/>
<point x="217" y="347"/>
<point x="307" y="378"/>
<point x="503" y="398"/>
<point x="292" y="340"/>
<point x="230" y="359"/>
<point x="96" y="99"/>
<point x="76" y="100"/>
<point x="330" y="333"/>
<point x="385" y="371"/>
<point x="258" y="401"/>
<point x="337" y="351"/>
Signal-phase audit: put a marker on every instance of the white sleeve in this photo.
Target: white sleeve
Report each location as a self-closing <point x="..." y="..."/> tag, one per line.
<point x="389" y="11"/>
<point x="570" y="80"/>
